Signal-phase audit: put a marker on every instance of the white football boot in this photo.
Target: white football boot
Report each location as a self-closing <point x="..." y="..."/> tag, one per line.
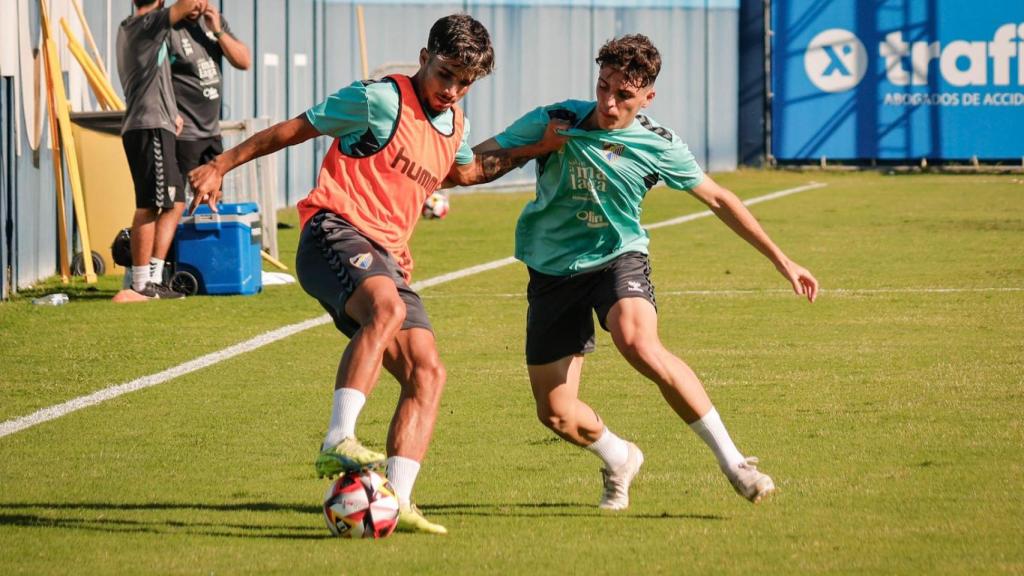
<point x="749" y="482"/>
<point x="616" y="482"/>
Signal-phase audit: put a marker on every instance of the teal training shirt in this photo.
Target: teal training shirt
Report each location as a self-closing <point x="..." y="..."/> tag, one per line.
<point x="363" y="116"/>
<point x="587" y="208"/>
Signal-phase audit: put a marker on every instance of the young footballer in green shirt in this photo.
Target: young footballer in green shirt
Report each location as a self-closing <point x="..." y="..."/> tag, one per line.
<point x="586" y="251"/>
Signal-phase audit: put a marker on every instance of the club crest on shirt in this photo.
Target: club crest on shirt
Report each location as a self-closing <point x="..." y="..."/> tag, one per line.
<point x="362" y="261"/>
<point x="612" y="151"/>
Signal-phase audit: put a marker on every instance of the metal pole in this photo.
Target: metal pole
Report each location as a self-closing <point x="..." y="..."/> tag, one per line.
<point x="289" y="59"/>
<point x="113" y="64"/>
<point x="769" y="158"/>
<point x="707" y="88"/>
<point x="360" y="21"/>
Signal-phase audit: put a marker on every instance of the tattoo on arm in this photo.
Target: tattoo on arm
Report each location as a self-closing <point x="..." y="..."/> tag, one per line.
<point x="496" y="163"/>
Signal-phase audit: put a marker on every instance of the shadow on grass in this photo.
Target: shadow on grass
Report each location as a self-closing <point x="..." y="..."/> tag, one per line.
<point x="113" y="525"/>
<point x="61" y="515"/>
<point x="75" y="291"/>
<point x="234" y="507"/>
<point x="552" y="509"/>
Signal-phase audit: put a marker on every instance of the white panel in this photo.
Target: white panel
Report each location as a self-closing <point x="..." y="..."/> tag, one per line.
<point x="29" y="80"/>
<point x="723" y="91"/>
<point x="544" y="53"/>
<point x="8" y="38"/>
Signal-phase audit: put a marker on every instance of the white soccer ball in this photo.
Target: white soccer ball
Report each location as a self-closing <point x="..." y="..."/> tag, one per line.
<point x="436" y="206"/>
<point x="361" y="505"/>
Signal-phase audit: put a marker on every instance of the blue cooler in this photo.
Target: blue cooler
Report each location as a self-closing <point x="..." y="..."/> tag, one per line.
<point x="222" y="250"/>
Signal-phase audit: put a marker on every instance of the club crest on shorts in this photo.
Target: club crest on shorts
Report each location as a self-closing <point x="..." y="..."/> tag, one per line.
<point x="362" y="261"/>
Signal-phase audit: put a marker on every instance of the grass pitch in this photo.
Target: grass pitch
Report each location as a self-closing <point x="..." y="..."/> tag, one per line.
<point x="888" y="412"/>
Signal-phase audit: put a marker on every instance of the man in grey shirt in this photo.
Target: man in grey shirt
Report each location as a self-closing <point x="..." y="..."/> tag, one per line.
<point x="198" y="45"/>
<point x="151" y="123"/>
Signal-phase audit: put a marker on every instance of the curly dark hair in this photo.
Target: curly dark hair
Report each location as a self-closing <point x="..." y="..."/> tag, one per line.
<point x="633" y="55"/>
<point x="464" y="41"/>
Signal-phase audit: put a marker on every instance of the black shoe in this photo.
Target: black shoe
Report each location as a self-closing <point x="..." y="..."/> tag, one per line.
<point x="159" y="291"/>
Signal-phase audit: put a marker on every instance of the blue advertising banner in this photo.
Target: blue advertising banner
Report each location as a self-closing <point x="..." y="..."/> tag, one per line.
<point x="898" y="79"/>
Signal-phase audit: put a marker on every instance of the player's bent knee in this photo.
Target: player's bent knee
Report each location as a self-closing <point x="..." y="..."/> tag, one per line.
<point x="425" y="383"/>
<point x="628" y="350"/>
<point x="430" y="378"/>
<point x="553" y="420"/>
<point x="641" y="351"/>
<point x="388" y="312"/>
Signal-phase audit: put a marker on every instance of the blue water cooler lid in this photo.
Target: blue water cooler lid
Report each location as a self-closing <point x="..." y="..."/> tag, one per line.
<point x="230" y="209"/>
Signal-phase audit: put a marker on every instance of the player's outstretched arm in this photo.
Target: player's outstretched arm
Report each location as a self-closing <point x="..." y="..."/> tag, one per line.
<point x="206" y="180"/>
<point x="730" y="209"/>
<point x="180" y="9"/>
<point x="492" y="161"/>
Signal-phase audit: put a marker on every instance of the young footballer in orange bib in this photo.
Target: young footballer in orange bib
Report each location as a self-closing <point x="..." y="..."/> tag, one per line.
<point x="395" y="141"/>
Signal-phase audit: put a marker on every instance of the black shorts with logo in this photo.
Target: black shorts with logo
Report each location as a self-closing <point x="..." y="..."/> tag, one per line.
<point x="194" y="153"/>
<point x="560" y="320"/>
<point x="153" y="162"/>
<point x="334" y="258"/>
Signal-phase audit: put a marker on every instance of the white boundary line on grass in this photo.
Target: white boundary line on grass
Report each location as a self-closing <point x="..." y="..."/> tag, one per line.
<point x="751" y="202"/>
<point x="53" y="412"/>
<point x="769" y="291"/>
<point x="841" y="291"/>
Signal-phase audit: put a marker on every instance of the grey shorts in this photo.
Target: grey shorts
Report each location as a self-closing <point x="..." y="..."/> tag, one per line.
<point x="560" y="317"/>
<point x="334" y="258"/>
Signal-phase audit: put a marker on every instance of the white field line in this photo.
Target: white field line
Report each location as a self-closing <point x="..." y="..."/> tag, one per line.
<point x="462" y="273"/>
<point x="53" y="412"/>
<point x="751" y="202"/>
<point x="844" y="291"/>
<point x="759" y="292"/>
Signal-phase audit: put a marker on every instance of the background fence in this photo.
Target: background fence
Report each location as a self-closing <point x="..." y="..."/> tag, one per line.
<point x="304" y="50"/>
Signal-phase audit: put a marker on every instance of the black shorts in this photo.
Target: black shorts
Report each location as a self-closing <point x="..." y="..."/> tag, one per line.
<point x="560" y="320"/>
<point x="334" y="258"/>
<point x="194" y="153"/>
<point x="153" y="162"/>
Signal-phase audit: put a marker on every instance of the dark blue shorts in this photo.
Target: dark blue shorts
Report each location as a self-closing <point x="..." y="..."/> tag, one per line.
<point x="560" y="318"/>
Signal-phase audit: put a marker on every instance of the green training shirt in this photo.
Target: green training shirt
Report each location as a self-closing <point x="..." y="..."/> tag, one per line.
<point x="587" y="208"/>
<point x="363" y="115"/>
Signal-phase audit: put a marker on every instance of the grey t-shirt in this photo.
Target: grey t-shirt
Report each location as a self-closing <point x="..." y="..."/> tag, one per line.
<point x="145" y="71"/>
<point x="196" y="62"/>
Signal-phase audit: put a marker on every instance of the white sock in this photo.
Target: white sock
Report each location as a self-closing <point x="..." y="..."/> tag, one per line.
<point x="610" y="448"/>
<point x="714" y="434"/>
<point x="402" y="474"/>
<point x="348" y="403"/>
<point x="140" y="277"/>
<point x="156" y="271"/>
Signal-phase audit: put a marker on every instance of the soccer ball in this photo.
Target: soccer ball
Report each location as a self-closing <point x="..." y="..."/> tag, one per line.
<point x="361" y="505"/>
<point x="436" y="206"/>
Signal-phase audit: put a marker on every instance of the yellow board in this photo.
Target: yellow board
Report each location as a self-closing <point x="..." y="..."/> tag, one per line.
<point x="266" y="256"/>
<point x="70" y="156"/>
<point x="89" y="39"/>
<point x="58" y="170"/>
<point x="97" y="90"/>
<point x="101" y="87"/>
<point x="106" y="185"/>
